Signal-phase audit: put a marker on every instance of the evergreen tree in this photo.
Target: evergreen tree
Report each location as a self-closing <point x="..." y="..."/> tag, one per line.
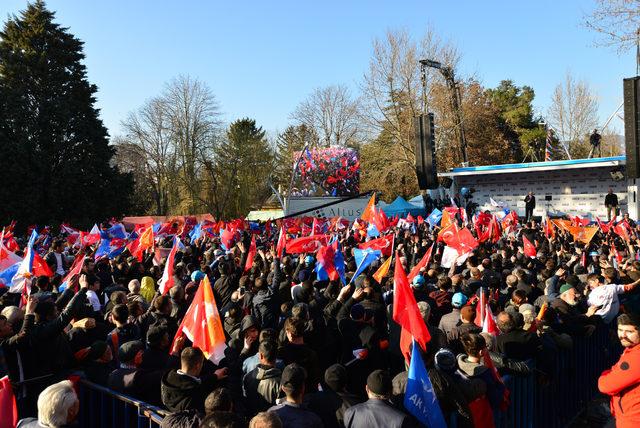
<point x="245" y="162"/>
<point x="55" y="158"/>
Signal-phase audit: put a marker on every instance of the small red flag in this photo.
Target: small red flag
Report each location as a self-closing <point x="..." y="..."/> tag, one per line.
<point x="251" y="255"/>
<point x="529" y="248"/>
<point x="422" y="263"/>
<point x="282" y="243"/>
<point x="8" y="408"/>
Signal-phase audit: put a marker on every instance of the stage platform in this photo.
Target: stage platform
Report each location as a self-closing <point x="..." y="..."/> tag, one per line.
<point x="576" y="187"/>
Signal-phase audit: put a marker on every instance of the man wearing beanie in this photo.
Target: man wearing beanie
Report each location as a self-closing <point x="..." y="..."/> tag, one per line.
<point x="573" y="321"/>
<point x="622" y="381"/>
<point x="377" y="412"/>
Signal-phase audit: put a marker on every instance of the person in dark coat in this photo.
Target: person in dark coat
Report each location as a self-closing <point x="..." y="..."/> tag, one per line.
<point x="99" y="363"/>
<point x="513" y="342"/>
<point x="294" y="350"/>
<point x="130" y="379"/>
<point x="266" y="301"/>
<point x="611" y="202"/>
<point x="262" y="384"/>
<point x="292" y="412"/>
<point x="185" y="389"/>
<point x="467" y="325"/>
<point x="529" y="206"/>
<point x="377" y="411"/>
<point x="124" y="331"/>
<point x="572" y="320"/>
<point x="331" y="403"/>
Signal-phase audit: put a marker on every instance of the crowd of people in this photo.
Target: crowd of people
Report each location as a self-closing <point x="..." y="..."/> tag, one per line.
<point x="304" y="352"/>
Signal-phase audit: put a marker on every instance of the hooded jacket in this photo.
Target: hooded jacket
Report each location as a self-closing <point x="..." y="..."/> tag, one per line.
<point x="622" y="383"/>
<point x="261" y="387"/>
<point x="479" y="371"/>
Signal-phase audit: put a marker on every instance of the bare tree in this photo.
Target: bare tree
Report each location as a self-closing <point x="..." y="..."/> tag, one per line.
<point x="195" y="120"/>
<point x="573" y="114"/>
<point x="171" y="139"/>
<point x="147" y="146"/>
<point x="333" y="114"/>
<point x="392" y="96"/>
<point x="617" y="21"/>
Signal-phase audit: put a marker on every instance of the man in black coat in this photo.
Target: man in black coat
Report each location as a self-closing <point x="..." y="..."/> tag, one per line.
<point x="529" y="205"/>
<point x="513" y="342"/>
<point x="185" y="389"/>
<point x="611" y="202"/>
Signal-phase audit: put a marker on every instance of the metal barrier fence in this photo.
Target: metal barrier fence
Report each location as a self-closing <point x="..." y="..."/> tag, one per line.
<point x="101" y="407"/>
<point x="572" y="383"/>
<point x="555" y="403"/>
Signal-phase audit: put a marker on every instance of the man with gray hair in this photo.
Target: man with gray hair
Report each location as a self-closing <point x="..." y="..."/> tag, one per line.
<point x="58" y="406"/>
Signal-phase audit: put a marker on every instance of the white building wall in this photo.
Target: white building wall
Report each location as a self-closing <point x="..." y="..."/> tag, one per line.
<point x="574" y="191"/>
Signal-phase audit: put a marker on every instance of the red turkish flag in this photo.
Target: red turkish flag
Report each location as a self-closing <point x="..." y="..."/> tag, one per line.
<point x="529" y="248"/>
<point x="422" y="263"/>
<point x="307" y="244"/>
<point x="384" y="244"/>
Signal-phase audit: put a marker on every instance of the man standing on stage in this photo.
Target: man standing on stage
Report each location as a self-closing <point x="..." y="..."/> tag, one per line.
<point x="611" y="202"/>
<point x="529" y="206"/>
<point x="594" y="140"/>
<point x="622" y="381"/>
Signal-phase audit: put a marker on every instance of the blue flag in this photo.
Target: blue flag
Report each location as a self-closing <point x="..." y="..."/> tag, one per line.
<point x="372" y="231"/>
<point x="435" y="217"/>
<point x="420" y="399"/>
<point x="116" y="231"/>
<point x="196" y="232"/>
<point x="338" y="262"/>
<point x="363" y="259"/>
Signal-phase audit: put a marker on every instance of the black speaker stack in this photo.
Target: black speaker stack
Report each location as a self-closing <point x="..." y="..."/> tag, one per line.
<point x="425" y="150"/>
<point x="631" y="89"/>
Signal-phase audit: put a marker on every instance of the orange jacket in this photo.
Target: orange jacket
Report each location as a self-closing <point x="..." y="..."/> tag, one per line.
<point x="622" y="383"/>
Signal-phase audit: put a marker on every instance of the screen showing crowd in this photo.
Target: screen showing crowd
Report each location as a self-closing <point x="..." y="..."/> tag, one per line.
<point x="333" y="171"/>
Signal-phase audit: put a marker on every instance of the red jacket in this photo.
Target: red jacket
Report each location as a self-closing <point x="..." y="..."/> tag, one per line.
<point x="622" y="383"/>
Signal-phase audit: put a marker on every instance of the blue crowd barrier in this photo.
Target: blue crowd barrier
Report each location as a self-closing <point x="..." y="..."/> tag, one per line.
<point x="101" y="407"/>
<point x="557" y="397"/>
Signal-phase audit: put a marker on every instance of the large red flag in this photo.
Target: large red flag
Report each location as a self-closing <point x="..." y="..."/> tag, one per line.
<point x="384" y="244"/>
<point x="489" y="324"/>
<point x="529" y="248"/>
<point x="167" y="281"/>
<point x="380" y="220"/>
<point x="251" y="255"/>
<point x="406" y="312"/>
<point x="307" y="244"/>
<point x="466" y="241"/>
<point x="422" y="263"/>
<point x="202" y="325"/>
<point x="603" y="226"/>
<point x="282" y="243"/>
<point x="8" y="408"/>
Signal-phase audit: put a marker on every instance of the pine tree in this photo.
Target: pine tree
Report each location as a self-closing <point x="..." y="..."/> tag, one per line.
<point x="245" y="162"/>
<point x="55" y="157"/>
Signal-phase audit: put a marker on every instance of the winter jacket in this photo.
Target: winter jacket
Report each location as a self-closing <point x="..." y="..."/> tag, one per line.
<point x="261" y="387"/>
<point x="622" y="383"/>
<point x="296" y="416"/>
<point x="185" y="419"/>
<point x="449" y="322"/>
<point x="181" y="392"/>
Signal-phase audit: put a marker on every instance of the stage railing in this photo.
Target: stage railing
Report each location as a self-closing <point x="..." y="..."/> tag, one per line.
<point x="101" y="407"/>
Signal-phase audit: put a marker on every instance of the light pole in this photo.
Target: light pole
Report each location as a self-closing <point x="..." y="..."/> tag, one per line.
<point x="449" y="77"/>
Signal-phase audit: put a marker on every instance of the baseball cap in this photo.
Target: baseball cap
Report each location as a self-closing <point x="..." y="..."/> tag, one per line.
<point x="128" y="350"/>
<point x="459" y="300"/>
